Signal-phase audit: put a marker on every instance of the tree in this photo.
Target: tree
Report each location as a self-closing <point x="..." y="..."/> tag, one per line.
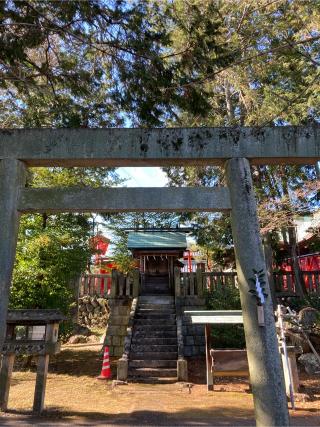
<point x="273" y="80"/>
<point x="68" y="51"/>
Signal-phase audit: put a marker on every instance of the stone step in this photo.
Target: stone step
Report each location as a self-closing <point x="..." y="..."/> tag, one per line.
<point x="153" y="372"/>
<point x="156" y="284"/>
<point x="151" y="333"/>
<point x="154" y="328"/>
<point x="153" y="348"/>
<point x="156" y="299"/>
<point x="156" y="308"/>
<point x="155" y="317"/>
<point x="154" y="380"/>
<point x="156" y="292"/>
<point x="159" y="323"/>
<point x="154" y="341"/>
<point x="152" y="364"/>
<point x="155" y="312"/>
<point x="155" y="355"/>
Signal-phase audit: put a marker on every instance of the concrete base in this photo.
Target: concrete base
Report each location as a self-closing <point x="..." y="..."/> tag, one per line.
<point x="122" y="369"/>
<point x="182" y="370"/>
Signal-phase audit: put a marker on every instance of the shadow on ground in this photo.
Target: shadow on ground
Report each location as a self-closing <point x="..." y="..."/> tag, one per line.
<point x="218" y="416"/>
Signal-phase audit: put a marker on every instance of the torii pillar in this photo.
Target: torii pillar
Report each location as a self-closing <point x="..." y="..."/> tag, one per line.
<point x="266" y="374"/>
<point x="12" y="178"/>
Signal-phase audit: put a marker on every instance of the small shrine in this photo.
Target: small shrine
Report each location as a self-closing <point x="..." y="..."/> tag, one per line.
<point x="158" y="253"/>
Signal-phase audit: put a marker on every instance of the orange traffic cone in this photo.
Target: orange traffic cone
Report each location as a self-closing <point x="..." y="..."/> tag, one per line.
<point x="105" y="371"/>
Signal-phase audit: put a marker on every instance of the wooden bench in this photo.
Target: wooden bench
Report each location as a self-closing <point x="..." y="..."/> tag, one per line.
<point x="229" y="363"/>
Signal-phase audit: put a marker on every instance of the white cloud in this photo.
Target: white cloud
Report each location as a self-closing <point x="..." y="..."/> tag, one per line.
<point x="143" y="177"/>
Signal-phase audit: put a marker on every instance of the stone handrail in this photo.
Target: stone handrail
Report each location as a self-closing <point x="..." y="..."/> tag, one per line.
<point x="125" y="285"/>
<point x="122" y="366"/>
<point x="182" y="366"/>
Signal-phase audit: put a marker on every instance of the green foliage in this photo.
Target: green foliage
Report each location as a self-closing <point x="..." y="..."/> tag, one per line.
<point x="271" y="81"/>
<point x="298" y="304"/>
<point x="122" y="257"/>
<point x="225" y="298"/>
<point x="86" y="62"/>
<point x="52" y="252"/>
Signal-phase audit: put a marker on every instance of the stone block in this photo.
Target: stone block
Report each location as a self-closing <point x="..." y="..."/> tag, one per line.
<point x="202" y="349"/>
<point x="195" y="350"/>
<point x="199" y="330"/>
<point x="122" y="369"/>
<point x="182" y="370"/>
<point x="118" y="351"/>
<point x="116" y="330"/>
<point x="116" y="341"/>
<point x="119" y="320"/>
<point x="191" y="330"/>
<point x="121" y="310"/>
<point x="108" y="340"/>
<point x="189" y="340"/>
<point x="187" y="350"/>
<point x="187" y="320"/>
<point x="199" y="340"/>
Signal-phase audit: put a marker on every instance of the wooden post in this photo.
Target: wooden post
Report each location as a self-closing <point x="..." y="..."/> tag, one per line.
<point x="114" y="283"/>
<point x="266" y="374"/>
<point x="208" y="357"/>
<point x="199" y="280"/>
<point x="12" y="178"/>
<point x="177" y="282"/>
<point x="41" y="380"/>
<point x="136" y="283"/>
<point x="5" y="379"/>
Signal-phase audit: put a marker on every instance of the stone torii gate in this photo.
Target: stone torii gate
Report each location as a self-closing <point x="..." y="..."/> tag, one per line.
<point x="233" y="148"/>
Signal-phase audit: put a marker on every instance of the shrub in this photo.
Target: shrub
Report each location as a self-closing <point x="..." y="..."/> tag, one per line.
<point x="225" y="298"/>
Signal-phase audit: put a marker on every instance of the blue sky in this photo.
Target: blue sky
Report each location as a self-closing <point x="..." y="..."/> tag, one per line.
<point x="143" y="177"/>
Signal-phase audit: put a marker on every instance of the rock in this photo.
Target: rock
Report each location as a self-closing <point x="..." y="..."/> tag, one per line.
<point x="299" y="341"/>
<point x="76" y="339"/>
<point x="93" y="339"/>
<point x="302" y="397"/>
<point x="308" y="317"/>
<point x="310" y="363"/>
<point x="89" y="307"/>
<point x="94" y="302"/>
<point x="80" y="330"/>
<point x="102" y="302"/>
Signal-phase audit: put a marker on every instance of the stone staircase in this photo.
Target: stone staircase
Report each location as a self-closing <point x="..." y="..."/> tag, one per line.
<point x="153" y="354"/>
<point x="156" y="284"/>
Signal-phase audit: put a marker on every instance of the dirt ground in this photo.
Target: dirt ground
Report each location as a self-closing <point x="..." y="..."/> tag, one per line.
<point x="75" y="396"/>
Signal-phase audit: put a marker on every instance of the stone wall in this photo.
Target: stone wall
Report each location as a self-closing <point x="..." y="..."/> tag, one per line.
<point x="193" y="335"/>
<point x="93" y="311"/>
<point x="117" y="325"/>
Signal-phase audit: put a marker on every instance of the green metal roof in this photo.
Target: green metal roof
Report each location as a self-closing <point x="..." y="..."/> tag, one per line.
<point x="156" y="240"/>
